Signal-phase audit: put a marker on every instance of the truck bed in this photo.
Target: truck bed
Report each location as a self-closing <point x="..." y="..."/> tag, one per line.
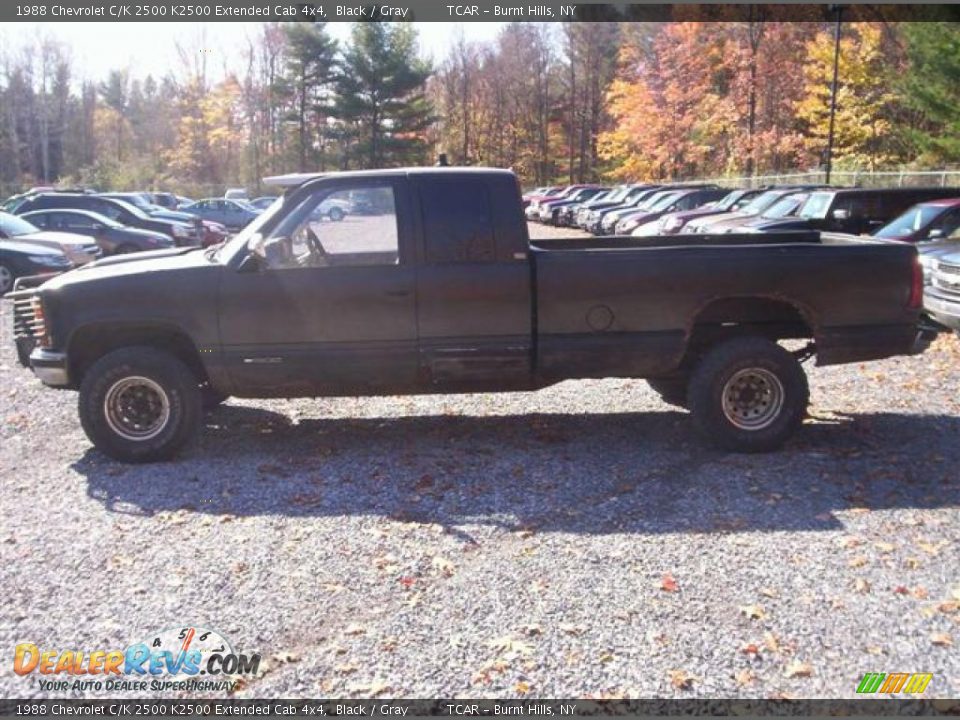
<point x="631" y="306"/>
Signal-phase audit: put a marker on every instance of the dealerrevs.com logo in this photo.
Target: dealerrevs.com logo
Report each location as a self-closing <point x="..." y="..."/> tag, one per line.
<point x="183" y="658"/>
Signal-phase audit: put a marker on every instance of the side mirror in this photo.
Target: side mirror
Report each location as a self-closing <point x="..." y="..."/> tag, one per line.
<point x="935" y="233"/>
<point x="841" y="214"/>
<point x="251" y="263"/>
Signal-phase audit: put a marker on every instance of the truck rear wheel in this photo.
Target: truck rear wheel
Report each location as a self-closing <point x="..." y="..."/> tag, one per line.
<point x="748" y="395"/>
<point x="673" y="391"/>
<point x="139" y="404"/>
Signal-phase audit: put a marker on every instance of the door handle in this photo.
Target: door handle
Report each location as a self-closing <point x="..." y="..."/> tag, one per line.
<point x="398" y="293"/>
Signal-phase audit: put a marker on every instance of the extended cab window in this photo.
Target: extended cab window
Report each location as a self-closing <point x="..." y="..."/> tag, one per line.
<point x="352" y="225"/>
<point x="457" y="225"/>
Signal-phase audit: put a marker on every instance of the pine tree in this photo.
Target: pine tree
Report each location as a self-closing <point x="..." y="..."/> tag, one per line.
<point x="381" y="95"/>
<point x="932" y="86"/>
<point x="310" y="71"/>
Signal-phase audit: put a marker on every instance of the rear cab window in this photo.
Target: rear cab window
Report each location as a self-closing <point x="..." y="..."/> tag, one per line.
<point x="457" y="221"/>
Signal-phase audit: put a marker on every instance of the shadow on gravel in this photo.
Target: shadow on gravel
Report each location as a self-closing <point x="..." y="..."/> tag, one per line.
<point x="599" y="473"/>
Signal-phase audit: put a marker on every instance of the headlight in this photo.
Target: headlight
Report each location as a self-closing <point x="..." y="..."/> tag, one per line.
<point x="672" y="223"/>
<point x="627" y="226"/>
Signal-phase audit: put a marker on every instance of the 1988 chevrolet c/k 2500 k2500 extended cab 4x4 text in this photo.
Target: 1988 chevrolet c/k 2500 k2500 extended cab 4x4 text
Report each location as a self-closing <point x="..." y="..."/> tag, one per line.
<point x="429" y="284"/>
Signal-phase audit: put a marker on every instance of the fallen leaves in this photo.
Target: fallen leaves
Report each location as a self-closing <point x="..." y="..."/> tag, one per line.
<point x="669" y="584"/>
<point x="681" y="679"/>
<point x="355" y="629"/>
<point x="443" y="566"/>
<point x="754" y="612"/>
<point x="744" y="678"/>
<point x="862" y="586"/>
<point x="798" y="669"/>
<point x="941" y="639"/>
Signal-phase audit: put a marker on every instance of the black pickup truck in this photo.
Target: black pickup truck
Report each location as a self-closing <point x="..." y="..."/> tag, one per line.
<point x="431" y="285"/>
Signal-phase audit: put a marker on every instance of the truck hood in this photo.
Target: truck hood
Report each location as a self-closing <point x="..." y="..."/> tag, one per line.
<point x="141" y="263"/>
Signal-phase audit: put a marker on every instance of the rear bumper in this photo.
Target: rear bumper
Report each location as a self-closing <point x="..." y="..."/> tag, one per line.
<point x="50" y="367"/>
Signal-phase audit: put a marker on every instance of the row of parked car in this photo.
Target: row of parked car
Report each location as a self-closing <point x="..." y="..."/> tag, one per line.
<point x="649" y="210"/>
<point x="46" y="230"/>
<point x="928" y="217"/>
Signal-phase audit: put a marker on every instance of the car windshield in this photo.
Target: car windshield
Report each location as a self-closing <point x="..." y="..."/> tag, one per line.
<point x="135" y="200"/>
<point x="728" y="200"/>
<point x="785" y="206"/>
<point x="761" y="202"/>
<point x="616" y="195"/>
<point x="916" y="218"/>
<point x="132" y="209"/>
<point x="245" y="205"/>
<point x="12" y="226"/>
<point x="666" y="201"/>
<point x="816" y="206"/>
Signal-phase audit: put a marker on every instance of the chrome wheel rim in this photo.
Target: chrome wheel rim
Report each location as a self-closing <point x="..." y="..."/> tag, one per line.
<point x="6" y="279"/>
<point x="753" y="399"/>
<point x="136" y="408"/>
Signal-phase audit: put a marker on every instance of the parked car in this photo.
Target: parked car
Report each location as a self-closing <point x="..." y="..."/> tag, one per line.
<point x="263" y="202"/>
<point x="334" y="209"/>
<point x="232" y="214"/>
<point x="164" y="199"/>
<point x="757" y="206"/>
<point x="532" y="210"/>
<point x="118" y="210"/>
<point x="590" y="213"/>
<point x="78" y="249"/>
<point x="858" y="211"/>
<point x="550" y="209"/>
<point x="235" y="194"/>
<point x="544" y="191"/>
<point x="208" y="231"/>
<point x="569" y="211"/>
<point x="934" y="250"/>
<point x="925" y="222"/>
<point x="459" y="301"/>
<point x="686" y="199"/>
<point x="942" y="297"/>
<point x="112" y="237"/>
<point x="21" y="259"/>
<point x="607" y="219"/>
<point x="786" y="207"/>
<point x="673" y="223"/>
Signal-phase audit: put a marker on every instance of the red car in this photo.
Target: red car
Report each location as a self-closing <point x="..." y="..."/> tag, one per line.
<point x="931" y="220"/>
<point x="213" y="233"/>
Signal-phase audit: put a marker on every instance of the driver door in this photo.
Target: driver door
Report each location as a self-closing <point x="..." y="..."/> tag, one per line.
<point x="330" y="307"/>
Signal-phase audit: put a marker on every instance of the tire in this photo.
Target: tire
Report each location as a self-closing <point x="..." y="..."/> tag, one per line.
<point x="673" y="391"/>
<point x="7" y="278"/>
<point x="141" y="380"/>
<point x="748" y="395"/>
<point x="210" y="398"/>
<point x="335" y="214"/>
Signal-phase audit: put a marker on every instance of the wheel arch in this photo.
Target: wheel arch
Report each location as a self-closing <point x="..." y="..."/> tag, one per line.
<point x="92" y="341"/>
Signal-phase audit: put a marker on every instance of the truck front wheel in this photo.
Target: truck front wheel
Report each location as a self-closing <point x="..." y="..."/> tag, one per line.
<point x="139" y="404"/>
<point x="748" y="395"/>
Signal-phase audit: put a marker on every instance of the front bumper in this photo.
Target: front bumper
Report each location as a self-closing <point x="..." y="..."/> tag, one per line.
<point x="945" y="310"/>
<point x="50" y="367"/>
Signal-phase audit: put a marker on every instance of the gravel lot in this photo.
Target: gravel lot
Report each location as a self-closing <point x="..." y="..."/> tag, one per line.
<point x="566" y="543"/>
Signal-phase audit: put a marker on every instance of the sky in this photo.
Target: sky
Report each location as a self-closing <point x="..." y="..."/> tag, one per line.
<point x="149" y="48"/>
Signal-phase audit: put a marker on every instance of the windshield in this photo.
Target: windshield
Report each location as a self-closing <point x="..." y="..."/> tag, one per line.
<point x="785" y="206"/>
<point x="132" y="209"/>
<point x="11" y="225"/>
<point x="241" y="239"/>
<point x="728" y="200"/>
<point x="616" y="195"/>
<point x="916" y="218"/>
<point x="666" y="201"/>
<point x="761" y="202"/>
<point x="135" y="200"/>
<point x="246" y="205"/>
<point x="816" y="207"/>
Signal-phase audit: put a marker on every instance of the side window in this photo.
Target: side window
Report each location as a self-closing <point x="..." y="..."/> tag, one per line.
<point x="346" y="226"/>
<point x="457" y="224"/>
<point x="42" y="221"/>
<point x="78" y="222"/>
<point x="108" y="209"/>
<point x="948" y="224"/>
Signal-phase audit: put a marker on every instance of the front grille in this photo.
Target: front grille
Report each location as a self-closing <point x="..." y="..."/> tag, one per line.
<point x="947" y="278"/>
<point x="27" y="324"/>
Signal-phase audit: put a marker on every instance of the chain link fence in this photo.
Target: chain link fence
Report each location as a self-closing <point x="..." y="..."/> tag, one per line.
<point x="855" y="178"/>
